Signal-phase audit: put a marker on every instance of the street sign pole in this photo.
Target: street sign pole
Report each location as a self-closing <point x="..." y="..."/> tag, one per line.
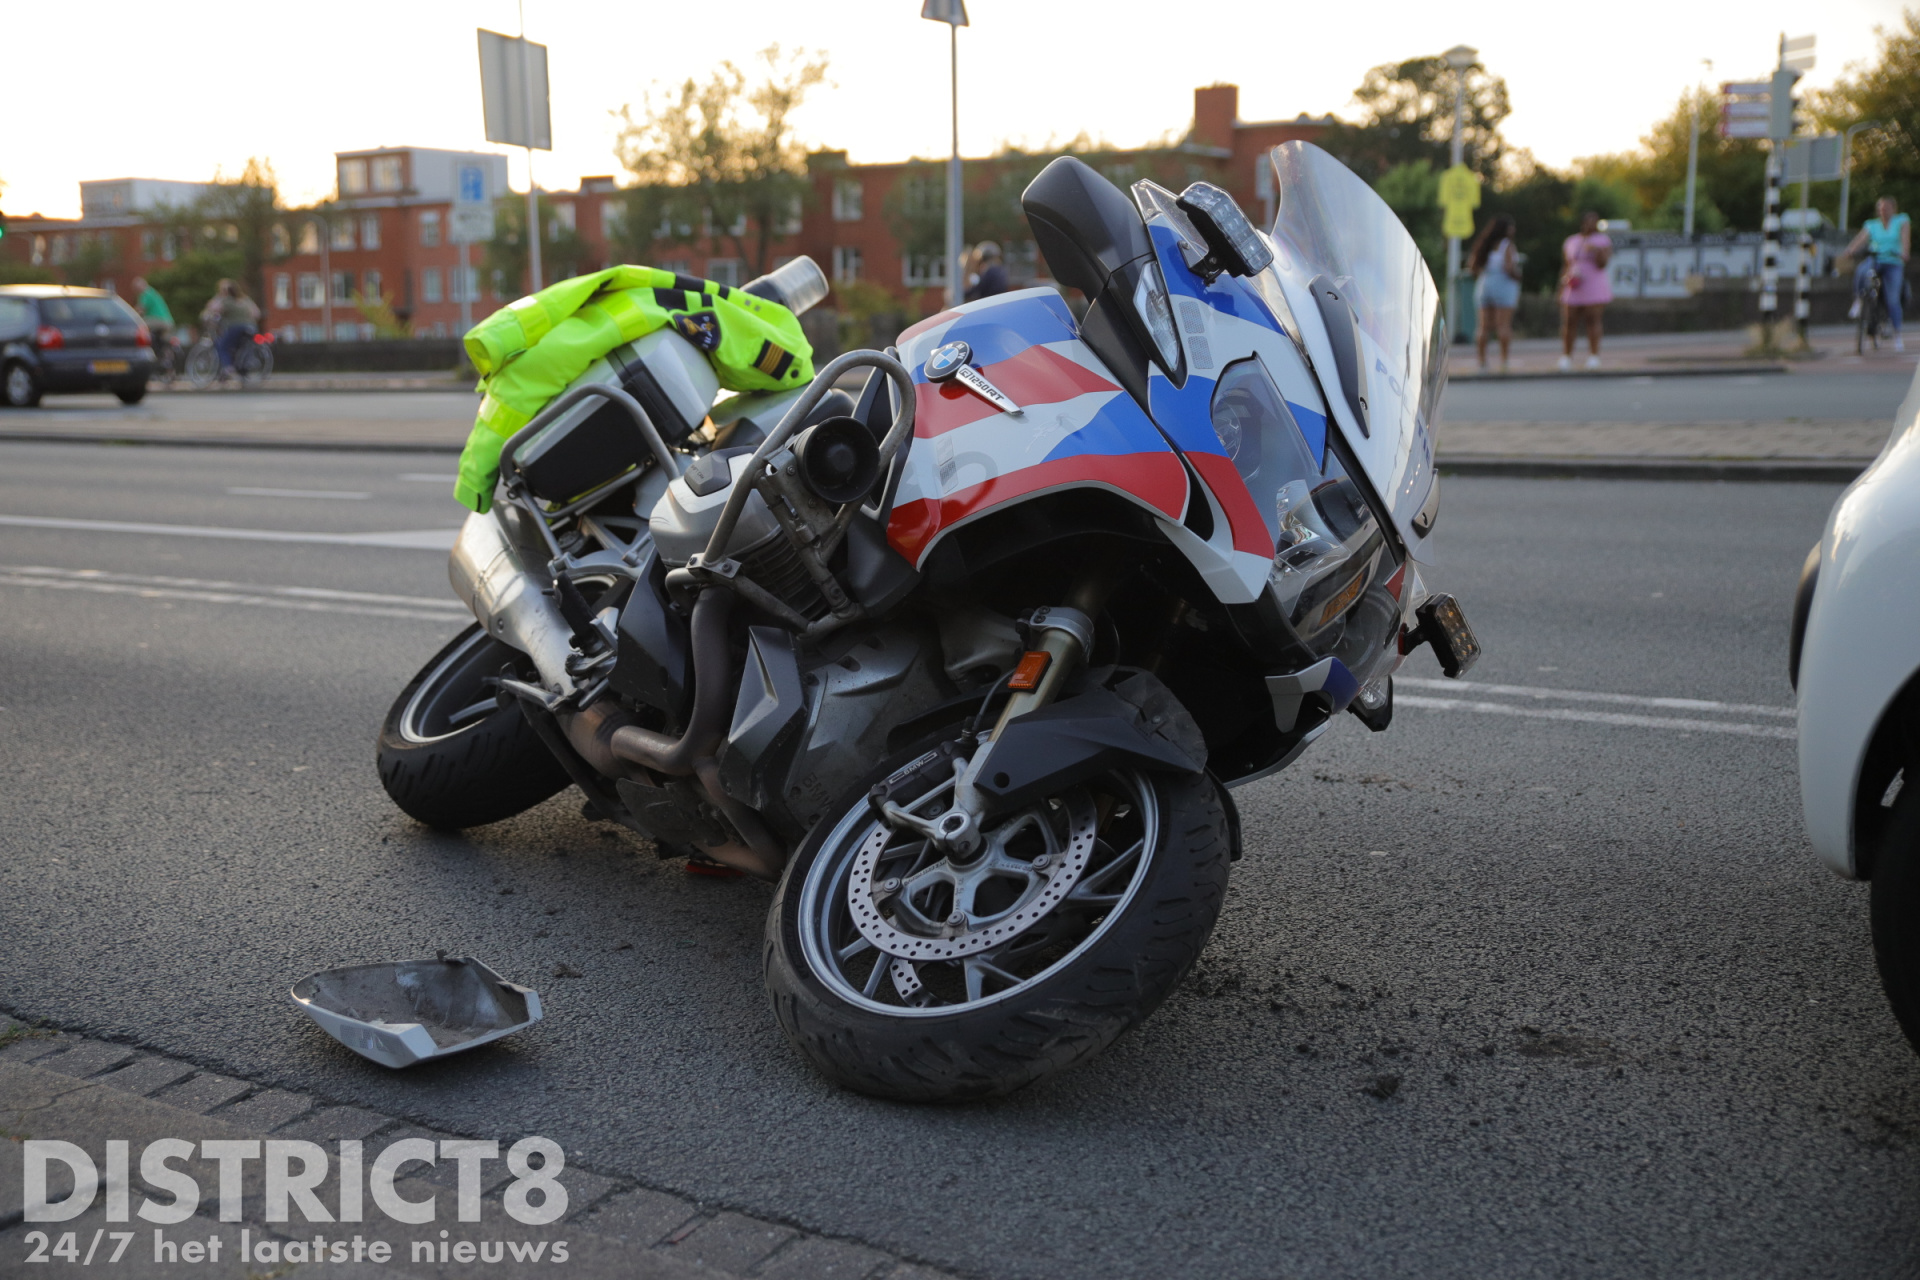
<point x="1460" y="58"/>
<point x="533" y="192"/>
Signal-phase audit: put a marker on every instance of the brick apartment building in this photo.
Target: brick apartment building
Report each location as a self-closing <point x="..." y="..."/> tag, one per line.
<point x="386" y="230"/>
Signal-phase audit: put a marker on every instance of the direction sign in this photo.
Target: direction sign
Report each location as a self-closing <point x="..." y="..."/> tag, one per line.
<point x="507" y="64"/>
<point x="1813" y="159"/>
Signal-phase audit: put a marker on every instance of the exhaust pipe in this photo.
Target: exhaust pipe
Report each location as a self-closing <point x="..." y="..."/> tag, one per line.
<point x="500" y="581"/>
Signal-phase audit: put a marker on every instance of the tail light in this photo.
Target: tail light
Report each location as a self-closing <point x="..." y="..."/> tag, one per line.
<point x="263" y="339"/>
<point x="48" y="338"/>
<point x="143" y="336"/>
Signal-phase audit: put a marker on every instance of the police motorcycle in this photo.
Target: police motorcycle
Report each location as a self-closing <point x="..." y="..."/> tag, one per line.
<point x="967" y="664"/>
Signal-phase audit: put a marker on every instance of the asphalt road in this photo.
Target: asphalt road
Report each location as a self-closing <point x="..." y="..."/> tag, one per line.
<point x="1531" y="985"/>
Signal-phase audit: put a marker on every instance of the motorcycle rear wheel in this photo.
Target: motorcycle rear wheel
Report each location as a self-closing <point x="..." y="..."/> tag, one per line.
<point x="451" y="758"/>
<point x="1092" y="965"/>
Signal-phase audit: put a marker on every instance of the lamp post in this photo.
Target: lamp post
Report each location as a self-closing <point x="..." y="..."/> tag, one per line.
<point x="1846" y="169"/>
<point x="1460" y="58"/>
<point x="954" y="14"/>
<point x="1693" y="157"/>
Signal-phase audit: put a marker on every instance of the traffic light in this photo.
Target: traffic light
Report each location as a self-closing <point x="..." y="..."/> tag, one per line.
<point x="1780" y="120"/>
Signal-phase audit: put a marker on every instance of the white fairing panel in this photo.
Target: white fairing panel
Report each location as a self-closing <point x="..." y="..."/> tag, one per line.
<point x="1862" y="643"/>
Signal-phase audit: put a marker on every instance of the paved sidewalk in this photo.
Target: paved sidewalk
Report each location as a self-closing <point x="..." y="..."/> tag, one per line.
<point x="1682" y="354"/>
<point x="90" y="1092"/>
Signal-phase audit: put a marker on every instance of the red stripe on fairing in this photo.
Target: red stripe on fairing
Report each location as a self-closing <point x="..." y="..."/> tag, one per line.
<point x="1034" y="377"/>
<point x="915" y="330"/>
<point x="1397" y="581"/>
<point x="1155" y="479"/>
<point x="1243" y="516"/>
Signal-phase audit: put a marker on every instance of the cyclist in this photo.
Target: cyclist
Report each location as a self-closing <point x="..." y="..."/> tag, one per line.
<point x="235" y="315"/>
<point x="1887" y="240"/>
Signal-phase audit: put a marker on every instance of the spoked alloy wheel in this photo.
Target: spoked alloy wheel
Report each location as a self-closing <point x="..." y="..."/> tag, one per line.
<point x="907" y="972"/>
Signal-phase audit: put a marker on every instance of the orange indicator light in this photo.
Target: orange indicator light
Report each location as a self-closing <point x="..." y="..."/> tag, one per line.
<point x="1027" y="673"/>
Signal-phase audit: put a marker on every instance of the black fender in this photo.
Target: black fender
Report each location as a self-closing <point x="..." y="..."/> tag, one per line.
<point x="1038" y="754"/>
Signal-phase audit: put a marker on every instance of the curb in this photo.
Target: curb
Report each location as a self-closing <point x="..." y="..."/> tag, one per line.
<point x="90" y="1091"/>
<point x="1653" y="371"/>
<point x="1798" y="470"/>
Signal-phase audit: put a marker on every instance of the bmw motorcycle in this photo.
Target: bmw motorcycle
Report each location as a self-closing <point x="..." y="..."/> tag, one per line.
<point x="969" y="662"/>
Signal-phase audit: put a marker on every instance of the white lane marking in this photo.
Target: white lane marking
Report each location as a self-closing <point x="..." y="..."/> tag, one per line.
<point x="343" y="495"/>
<point x="426" y="477"/>
<point x="1599" y="717"/>
<point x="1581" y="695"/>
<point x="405" y="539"/>
<point x="307" y="599"/>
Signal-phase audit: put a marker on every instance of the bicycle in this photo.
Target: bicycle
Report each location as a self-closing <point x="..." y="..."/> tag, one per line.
<point x="252" y="361"/>
<point x="1873" y="314"/>
<point x="167" y="360"/>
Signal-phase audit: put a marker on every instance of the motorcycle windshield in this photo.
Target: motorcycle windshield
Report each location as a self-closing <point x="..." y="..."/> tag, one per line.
<point x="1330" y="223"/>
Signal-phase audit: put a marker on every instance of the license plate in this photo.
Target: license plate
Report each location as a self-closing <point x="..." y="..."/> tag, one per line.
<point x="108" y="366"/>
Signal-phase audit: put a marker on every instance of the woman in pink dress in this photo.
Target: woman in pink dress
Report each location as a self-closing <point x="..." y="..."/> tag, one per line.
<point x="1584" y="288"/>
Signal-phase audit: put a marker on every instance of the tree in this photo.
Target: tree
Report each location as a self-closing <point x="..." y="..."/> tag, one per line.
<point x="250" y="206"/>
<point x="1407" y="117"/>
<point x="719" y="160"/>
<point x="1732" y="173"/>
<point x="1412" y="191"/>
<point x="1886" y="160"/>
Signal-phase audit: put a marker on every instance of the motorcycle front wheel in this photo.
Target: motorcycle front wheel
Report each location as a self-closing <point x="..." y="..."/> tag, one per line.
<point x="907" y="974"/>
<point x="450" y="756"/>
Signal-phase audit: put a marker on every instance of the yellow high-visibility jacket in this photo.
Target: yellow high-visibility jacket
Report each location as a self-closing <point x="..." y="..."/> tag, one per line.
<point x="529" y="351"/>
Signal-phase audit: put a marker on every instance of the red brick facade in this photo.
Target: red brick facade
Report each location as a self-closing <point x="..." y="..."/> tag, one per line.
<point x="388" y="228"/>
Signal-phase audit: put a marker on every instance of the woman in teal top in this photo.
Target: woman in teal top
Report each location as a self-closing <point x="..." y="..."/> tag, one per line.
<point x="1887" y="241"/>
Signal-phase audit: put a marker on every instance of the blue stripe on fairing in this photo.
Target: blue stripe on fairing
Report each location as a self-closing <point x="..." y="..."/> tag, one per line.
<point x="1341" y="687"/>
<point x="1004" y="330"/>
<point x="1313" y="426"/>
<point x="1226" y="294"/>
<point x="1118" y="428"/>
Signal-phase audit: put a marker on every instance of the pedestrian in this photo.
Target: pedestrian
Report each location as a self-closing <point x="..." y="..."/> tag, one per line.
<point x="1585" y="290"/>
<point x="1887" y="242"/>
<point x="1495" y="264"/>
<point x="232" y="315"/>
<point x="987" y="273"/>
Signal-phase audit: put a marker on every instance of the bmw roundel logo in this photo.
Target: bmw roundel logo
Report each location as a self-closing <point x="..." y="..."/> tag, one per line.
<point x="948" y="360"/>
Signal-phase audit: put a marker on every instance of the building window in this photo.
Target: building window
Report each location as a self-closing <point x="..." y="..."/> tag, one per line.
<point x="430" y="227"/>
<point x="848" y="197"/>
<point x="282" y="243"/>
<point x="309" y="241"/>
<point x="463" y="285"/>
<point x="370" y="231"/>
<point x="846" y="262"/>
<point x="499" y="284"/>
<point x="313" y="332"/>
<point x="563" y="216"/>
<point x="341" y="235"/>
<point x="724" y="271"/>
<point x="922" y="269"/>
<point x="346" y="332"/>
<point x="386" y="173"/>
<point x="353" y="177"/>
<point x="370" y="286"/>
<point x="149" y="245"/>
<point x="342" y="287"/>
<point x="310" y="295"/>
<point x="677" y="267"/>
<point x="430" y="285"/>
<point x="169" y="247"/>
<point x="613" y="220"/>
<point x="282" y="292"/>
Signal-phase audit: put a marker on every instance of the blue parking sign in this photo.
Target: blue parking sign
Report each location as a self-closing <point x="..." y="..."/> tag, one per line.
<point x="473" y="184"/>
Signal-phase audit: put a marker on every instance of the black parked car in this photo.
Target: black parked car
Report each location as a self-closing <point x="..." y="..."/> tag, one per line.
<point x="56" y="339"/>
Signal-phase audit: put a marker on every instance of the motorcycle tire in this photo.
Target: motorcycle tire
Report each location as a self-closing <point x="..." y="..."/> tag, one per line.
<point x="1895" y="909"/>
<point x="1070" y="1009"/>
<point x="452" y="759"/>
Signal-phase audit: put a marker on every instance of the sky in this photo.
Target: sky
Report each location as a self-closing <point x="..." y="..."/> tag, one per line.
<point x="295" y="83"/>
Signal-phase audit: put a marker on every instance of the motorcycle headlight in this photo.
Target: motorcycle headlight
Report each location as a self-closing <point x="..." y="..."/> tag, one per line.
<point x="1150" y="302"/>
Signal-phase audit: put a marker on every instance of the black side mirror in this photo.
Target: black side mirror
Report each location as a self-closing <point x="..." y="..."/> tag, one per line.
<point x="1232" y="245"/>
